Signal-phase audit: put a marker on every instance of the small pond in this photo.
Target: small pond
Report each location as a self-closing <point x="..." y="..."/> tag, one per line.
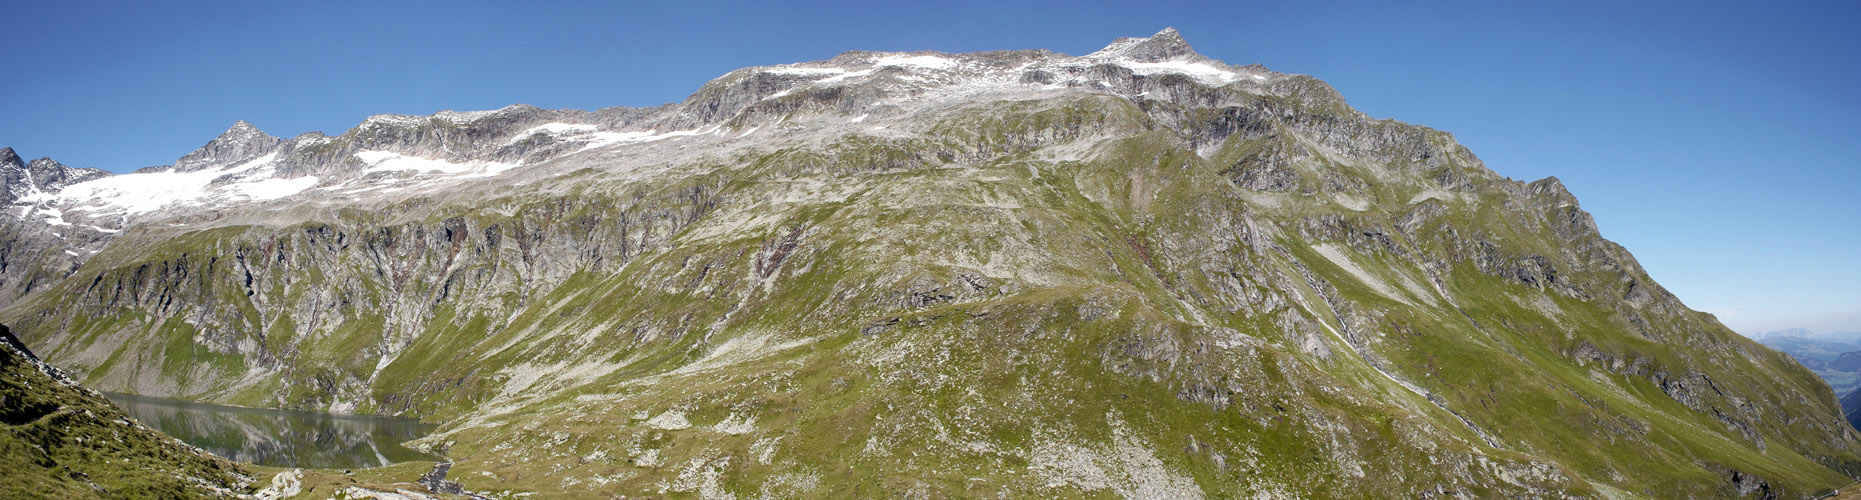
<point x="280" y="438"/>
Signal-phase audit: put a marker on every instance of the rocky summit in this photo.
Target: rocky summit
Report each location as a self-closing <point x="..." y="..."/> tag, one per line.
<point x="1137" y="273"/>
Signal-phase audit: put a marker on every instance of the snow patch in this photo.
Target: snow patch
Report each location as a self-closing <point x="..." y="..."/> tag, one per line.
<point x="388" y="161"/>
<point x="845" y="76"/>
<point x="805" y="72"/>
<point x="931" y="62"/>
<point x="136" y="193"/>
<point x="553" y="129"/>
<point x="274" y="188"/>
<point x="54" y="216"/>
<point x="605" y="139"/>
<point x="1204" y="72"/>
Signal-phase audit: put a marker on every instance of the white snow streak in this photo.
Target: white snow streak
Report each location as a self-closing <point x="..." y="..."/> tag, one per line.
<point x="794" y="71"/>
<point x="932" y="62"/>
<point x="388" y="161"/>
<point x="137" y="193"/>
<point x="1206" y="73"/>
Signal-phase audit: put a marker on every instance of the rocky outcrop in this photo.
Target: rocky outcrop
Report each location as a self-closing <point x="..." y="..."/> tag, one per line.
<point x="435" y="480"/>
<point x="1750" y="486"/>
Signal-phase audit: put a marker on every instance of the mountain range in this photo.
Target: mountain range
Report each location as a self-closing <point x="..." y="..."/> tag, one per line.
<point x="1137" y="273"/>
<point x="1836" y="357"/>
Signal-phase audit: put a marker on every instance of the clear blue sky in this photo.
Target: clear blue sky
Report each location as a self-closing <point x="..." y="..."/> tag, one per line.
<point x="1719" y="143"/>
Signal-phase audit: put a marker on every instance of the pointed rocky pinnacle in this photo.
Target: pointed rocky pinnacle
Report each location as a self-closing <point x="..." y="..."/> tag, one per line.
<point x="242" y="129"/>
<point x="239" y="142"/>
<point x="1163" y="46"/>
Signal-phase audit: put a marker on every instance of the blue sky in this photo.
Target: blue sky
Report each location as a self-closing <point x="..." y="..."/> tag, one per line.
<point x="1718" y="142"/>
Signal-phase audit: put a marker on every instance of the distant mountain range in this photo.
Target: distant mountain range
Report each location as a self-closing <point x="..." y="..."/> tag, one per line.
<point x="1835" y="356"/>
<point x="1807" y="334"/>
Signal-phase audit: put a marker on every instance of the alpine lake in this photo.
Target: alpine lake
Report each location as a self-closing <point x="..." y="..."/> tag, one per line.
<point x="281" y="438"/>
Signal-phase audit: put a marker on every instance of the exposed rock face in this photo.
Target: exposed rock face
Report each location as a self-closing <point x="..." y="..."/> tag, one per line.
<point x="61" y="440"/>
<point x="1751" y="486"/>
<point x="1136" y="273"/>
<point x="435" y="480"/>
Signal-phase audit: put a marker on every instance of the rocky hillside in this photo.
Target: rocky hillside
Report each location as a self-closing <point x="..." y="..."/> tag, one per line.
<point x="1138" y="273"/>
<point x="64" y="441"/>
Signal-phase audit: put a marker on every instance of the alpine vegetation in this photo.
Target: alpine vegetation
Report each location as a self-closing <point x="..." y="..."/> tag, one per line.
<point x="1137" y="273"/>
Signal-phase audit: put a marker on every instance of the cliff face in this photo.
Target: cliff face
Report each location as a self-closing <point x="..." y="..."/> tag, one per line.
<point x="1136" y="273"/>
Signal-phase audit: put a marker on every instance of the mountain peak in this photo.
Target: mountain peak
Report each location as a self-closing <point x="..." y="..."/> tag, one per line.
<point x="239" y="142"/>
<point x="8" y="157"/>
<point x="45" y="165"/>
<point x="1787" y="333"/>
<point x="242" y="130"/>
<point x="1165" y="45"/>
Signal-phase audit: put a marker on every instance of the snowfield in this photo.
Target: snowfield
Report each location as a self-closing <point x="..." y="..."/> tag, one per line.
<point x="136" y="193"/>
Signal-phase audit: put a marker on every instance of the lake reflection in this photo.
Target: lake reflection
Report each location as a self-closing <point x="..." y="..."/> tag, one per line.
<point x="280" y="438"/>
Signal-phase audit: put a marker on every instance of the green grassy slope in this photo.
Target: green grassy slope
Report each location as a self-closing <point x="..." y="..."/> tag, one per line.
<point x="61" y="440"/>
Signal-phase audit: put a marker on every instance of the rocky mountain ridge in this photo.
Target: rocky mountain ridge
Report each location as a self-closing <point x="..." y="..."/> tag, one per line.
<point x="21" y="179"/>
<point x="401" y="151"/>
<point x="1137" y="273"/>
